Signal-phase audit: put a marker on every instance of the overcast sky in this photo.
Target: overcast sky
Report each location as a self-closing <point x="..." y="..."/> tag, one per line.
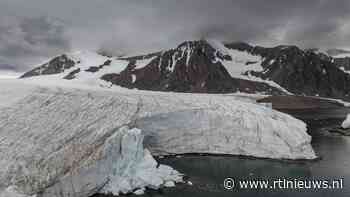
<point x="34" y="30"/>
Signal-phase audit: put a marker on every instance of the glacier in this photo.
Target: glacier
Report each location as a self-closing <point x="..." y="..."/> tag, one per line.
<point x="120" y="166"/>
<point x="57" y="138"/>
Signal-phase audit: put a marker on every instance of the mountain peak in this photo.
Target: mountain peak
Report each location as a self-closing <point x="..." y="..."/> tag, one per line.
<point x="209" y="66"/>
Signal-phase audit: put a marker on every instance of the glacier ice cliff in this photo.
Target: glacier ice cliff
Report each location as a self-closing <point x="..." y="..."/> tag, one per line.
<point x="121" y="165"/>
<point x="58" y="140"/>
<point x="241" y="132"/>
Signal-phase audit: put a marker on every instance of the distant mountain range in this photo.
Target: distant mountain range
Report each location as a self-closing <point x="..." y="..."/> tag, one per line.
<point x="208" y="66"/>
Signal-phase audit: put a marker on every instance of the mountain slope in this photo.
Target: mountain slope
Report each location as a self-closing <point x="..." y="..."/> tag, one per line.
<point x="191" y="67"/>
<point x="209" y="66"/>
<point x="301" y="72"/>
<point x="194" y="66"/>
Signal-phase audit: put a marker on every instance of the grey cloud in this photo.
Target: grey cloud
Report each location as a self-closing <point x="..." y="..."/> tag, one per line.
<point x="136" y="26"/>
<point x="6" y="67"/>
<point x="25" y="40"/>
<point x="42" y="30"/>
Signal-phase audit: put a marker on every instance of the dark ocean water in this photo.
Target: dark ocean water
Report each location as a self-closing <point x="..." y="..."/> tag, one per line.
<point x="208" y="173"/>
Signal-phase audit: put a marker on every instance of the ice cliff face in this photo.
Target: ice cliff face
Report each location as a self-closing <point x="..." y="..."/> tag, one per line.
<point x="124" y="166"/>
<point x="238" y="132"/>
<point x="121" y="165"/>
<point x="63" y="140"/>
<point x="51" y="144"/>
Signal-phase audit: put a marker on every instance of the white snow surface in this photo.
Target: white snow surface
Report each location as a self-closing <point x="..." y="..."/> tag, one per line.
<point x="237" y="67"/>
<point x="66" y="137"/>
<point x="8" y="74"/>
<point x="343" y="55"/>
<point x="13" y="191"/>
<point x="346" y="122"/>
<point x="344" y="70"/>
<point x="61" y="145"/>
<point x="144" y="62"/>
<point x="84" y="60"/>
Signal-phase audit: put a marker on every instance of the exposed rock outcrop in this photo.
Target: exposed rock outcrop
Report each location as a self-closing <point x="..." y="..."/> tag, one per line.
<point x="300" y="72"/>
<point x="56" y="65"/>
<point x="191" y="67"/>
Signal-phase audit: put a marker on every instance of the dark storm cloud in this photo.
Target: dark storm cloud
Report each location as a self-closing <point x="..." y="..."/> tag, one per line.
<point x="135" y="26"/>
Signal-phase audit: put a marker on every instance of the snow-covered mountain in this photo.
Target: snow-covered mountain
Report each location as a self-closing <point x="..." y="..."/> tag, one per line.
<point x="210" y="66"/>
<point x="301" y="72"/>
<point x="61" y="138"/>
<point x="193" y="66"/>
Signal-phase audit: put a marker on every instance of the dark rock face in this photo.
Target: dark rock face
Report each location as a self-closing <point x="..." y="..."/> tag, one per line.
<point x="94" y="69"/>
<point x="343" y="63"/>
<point x="300" y="72"/>
<point x="191" y="67"/>
<point x="72" y="74"/>
<point x="55" y="66"/>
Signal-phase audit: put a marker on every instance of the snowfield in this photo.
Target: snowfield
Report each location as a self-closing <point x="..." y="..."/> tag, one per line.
<point x="62" y="137"/>
<point x="237" y="67"/>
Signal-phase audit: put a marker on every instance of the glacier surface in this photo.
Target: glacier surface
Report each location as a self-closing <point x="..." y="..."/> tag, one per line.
<point x="64" y="139"/>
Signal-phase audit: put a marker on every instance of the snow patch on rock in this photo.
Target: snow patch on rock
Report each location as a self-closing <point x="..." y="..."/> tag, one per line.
<point x="346" y="123"/>
<point x="142" y="63"/>
<point x="84" y="60"/>
<point x="242" y="62"/>
<point x="343" y="55"/>
<point x="133" y="78"/>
